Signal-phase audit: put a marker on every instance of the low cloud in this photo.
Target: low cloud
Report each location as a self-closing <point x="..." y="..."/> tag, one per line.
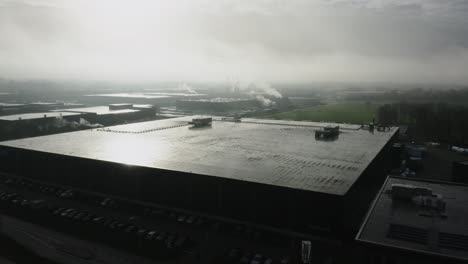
<point x="298" y="40"/>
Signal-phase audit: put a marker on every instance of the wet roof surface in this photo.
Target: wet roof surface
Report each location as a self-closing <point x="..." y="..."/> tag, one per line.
<point x="282" y="153"/>
<point x="429" y="234"/>
<point x="36" y="115"/>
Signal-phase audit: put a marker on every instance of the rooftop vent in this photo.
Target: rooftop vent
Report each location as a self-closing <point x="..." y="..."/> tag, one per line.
<point x="327" y="132"/>
<point x="201" y="122"/>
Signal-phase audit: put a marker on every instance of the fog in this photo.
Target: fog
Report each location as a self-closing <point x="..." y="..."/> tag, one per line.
<point x="360" y="40"/>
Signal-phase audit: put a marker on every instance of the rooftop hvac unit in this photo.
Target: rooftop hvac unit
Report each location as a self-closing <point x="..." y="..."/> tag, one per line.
<point x="200" y="122"/>
<point x="328" y="132"/>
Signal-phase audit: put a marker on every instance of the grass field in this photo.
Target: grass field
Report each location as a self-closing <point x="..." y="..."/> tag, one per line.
<point x="353" y="113"/>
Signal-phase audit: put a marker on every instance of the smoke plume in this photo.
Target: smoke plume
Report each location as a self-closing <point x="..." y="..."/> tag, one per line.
<point x="266" y="88"/>
<point x="265" y="101"/>
<point x="187" y="88"/>
<point x="255" y="88"/>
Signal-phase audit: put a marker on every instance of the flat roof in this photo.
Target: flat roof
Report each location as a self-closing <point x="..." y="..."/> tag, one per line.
<point x="122" y="104"/>
<point x="218" y="100"/>
<point x="280" y="153"/>
<point x="29" y="116"/>
<point x="47" y="103"/>
<point x="185" y="94"/>
<point x="131" y="95"/>
<point x="144" y="106"/>
<point x="11" y="105"/>
<point x="99" y="110"/>
<point x="406" y="226"/>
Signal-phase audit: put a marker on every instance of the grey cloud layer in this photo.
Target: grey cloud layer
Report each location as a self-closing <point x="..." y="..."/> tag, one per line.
<point x="370" y="40"/>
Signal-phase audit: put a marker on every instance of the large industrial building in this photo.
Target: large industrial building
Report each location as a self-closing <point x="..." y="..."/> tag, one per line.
<point x="10" y="108"/>
<point x="35" y="107"/>
<point x="272" y="173"/>
<point x="150" y="97"/>
<point x="38" y="118"/>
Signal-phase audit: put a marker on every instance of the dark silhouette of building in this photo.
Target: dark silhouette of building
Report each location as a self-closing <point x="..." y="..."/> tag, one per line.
<point x="460" y="171"/>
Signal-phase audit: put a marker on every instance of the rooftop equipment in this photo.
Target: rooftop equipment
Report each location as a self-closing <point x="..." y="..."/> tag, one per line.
<point x="201" y="122"/>
<point x="328" y="132"/>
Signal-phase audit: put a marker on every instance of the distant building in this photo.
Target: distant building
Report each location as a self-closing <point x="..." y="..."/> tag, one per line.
<point x="154" y="98"/>
<point x="11" y="108"/>
<point x="45" y="106"/>
<point x="70" y="119"/>
<point x="37" y="118"/>
<point x="41" y="123"/>
<point x="417" y="221"/>
<point x="36" y="107"/>
<point x="216" y="104"/>
<point x="115" y="113"/>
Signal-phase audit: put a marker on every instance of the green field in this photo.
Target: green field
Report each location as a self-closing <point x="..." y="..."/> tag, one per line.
<point x="353" y="113"/>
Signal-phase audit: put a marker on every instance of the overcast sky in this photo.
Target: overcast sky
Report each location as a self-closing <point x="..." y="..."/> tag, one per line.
<point x="218" y="40"/>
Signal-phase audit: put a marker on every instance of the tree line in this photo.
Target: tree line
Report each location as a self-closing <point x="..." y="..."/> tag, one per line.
<point x="429" y="121"/>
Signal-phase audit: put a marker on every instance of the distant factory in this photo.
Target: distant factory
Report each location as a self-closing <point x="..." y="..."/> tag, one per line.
<point x="69" y="119"/>
<point x="150" y="97"/>
<point x="38" y="118"/>
<point x="19" y="108"/>
<point x="115" y="113"/>
<point x="217" y="104"/>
